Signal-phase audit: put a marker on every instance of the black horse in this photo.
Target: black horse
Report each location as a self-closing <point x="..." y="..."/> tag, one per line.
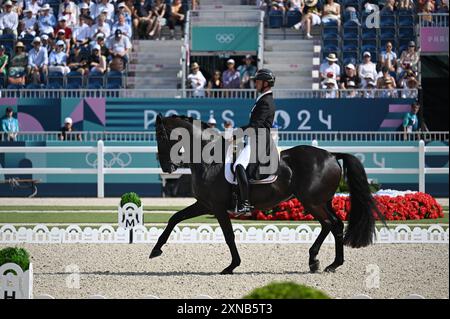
<point x="308" y="173"/>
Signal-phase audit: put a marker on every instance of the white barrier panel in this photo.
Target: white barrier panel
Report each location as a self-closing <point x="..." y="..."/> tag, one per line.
<point x="302" y="234"/>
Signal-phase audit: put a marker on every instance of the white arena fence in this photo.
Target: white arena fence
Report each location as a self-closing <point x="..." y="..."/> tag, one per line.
<point x="101" y="150"/>
<point x="282" y="136"/>
<point x="270" y="234"/>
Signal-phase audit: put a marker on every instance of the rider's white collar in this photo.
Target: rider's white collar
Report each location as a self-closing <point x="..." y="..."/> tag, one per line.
<point x="265" y="93"/>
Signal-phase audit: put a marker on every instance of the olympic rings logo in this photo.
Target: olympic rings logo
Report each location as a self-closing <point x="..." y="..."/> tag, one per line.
<point x="110" y="160"/>
<point x="224" y="38"/>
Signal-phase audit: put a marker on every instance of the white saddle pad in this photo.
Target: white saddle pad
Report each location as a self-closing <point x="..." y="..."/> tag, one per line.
<point x="243" y="159"/>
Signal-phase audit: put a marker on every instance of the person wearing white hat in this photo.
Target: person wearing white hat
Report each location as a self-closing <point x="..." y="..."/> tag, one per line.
<point x="349" y="76"/>
<point x="68" y="128"/>
<point x="103" y="6"/>
<point x="37" y="61"/>
<point x="34" y="6"/>
<point x="247" y="71"/>
<point x="58" y="58"/>
<point x="197" y="81"/>
<point x="69" y="10"/>
<point x="231" y="78"/>
<point x="100" y="27"/>
<point x="29" y="22"/>
<point x="46" y="21"/>
<point x="9" y="19"/>
<point x="331" y="91"/>
<point x="330" y="66"/>
<point x="61" y="36"/>
<point x="367" y="69"/>
<point x="97" y="61"/>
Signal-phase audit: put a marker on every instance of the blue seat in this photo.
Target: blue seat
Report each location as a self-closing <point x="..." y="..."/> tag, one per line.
<point x="350" y="46"/>
<point x="331" y="48"/>
<point x="15" y="87"/>
<point x="8" y="41"/>
<point x="350" y="57"/>
<point x="368" y="33"/>
<point x="330" y="23"/>
<point x="387" y="20"/>
<point x="352" y="3"/>
<point x="330" y="32"/>
<point x="74" y="80"/>
<point x="55" y="80"/>
<point x="406" y="34"/>
<point x="275" y="19"/>
<point x="405" y="20"/>
<point x="387" y="33"/>
<point x="351" y="24"/>
<point x="292" y="18"/>
<point x="350" y="33"/>
<point x="114" y="80"/>
<point x="95" y="80"/>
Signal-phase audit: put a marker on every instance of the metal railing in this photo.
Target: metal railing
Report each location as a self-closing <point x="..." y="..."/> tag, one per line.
<point x="225" y="16"/>
<point x="210" y="94"/>
<point x="282" y="136"/>
<point x="101" y="171"/>
<point x="434" y="20"/>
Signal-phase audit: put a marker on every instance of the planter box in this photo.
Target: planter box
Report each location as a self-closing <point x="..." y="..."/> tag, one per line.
<point x="16" y="286"/>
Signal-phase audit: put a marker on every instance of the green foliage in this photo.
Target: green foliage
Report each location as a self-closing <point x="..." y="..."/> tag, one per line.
<point x="130" y="198"/>
<point x="15" y="255"/>
<point x="343" y="187"/>
<point x="286" y="290"/>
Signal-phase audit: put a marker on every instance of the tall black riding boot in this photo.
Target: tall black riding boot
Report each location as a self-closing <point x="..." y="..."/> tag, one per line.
<point x="244" y="206"/>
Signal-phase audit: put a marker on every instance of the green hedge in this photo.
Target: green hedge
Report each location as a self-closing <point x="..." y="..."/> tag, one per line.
<point x="130" y="198"/>
<point x="286" y="290"/>
<point x="15" y="255"/>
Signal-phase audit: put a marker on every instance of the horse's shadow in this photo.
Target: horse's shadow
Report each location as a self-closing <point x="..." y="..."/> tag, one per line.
<point x="171" y="273"/>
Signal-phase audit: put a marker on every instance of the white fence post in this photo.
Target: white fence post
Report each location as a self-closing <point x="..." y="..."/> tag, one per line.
<point x="422" y="166"/>
<point x="100" y="169"/>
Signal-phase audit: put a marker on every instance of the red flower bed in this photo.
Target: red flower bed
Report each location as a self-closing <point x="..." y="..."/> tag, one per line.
<point x="407" y="207"/>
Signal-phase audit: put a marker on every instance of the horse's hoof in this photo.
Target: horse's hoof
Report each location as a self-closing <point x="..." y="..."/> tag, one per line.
<point x="330" y="269"/>
<point x="227" y="271"/>
<point x="155" y="253"/>
<point x="314" y="267"/>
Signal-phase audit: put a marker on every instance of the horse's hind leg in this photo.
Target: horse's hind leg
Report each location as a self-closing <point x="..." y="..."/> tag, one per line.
<point x="192" y="211"/>
<point x="337" y="230"/>
<point x="320" y="213"/>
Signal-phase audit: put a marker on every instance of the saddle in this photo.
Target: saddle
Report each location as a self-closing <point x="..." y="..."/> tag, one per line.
<point x="252" y="169"/>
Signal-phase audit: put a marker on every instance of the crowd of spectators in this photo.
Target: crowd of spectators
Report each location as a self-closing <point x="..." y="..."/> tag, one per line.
<point x="42" y="36"/>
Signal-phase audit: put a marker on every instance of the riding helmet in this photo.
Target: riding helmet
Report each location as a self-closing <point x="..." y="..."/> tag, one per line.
<point x="265" y="75"/>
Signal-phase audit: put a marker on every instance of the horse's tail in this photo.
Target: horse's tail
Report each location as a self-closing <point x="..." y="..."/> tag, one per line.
<point x="361" y="223"/>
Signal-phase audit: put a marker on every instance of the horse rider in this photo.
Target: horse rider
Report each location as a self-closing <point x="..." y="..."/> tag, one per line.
<point x="262" y="117"/>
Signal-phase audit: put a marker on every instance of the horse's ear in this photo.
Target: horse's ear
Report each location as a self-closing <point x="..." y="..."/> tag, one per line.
<point x="159" y="119"/>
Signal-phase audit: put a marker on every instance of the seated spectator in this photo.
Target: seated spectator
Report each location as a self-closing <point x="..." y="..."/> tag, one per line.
<point x="331" y="12"/>
<point x="69" y="10"/>
<point x="58" y="59"/>
<point x="427" y="11"/>
<point x="103" y="6"/>
<point x="295" y="5"/>
<point x="389" y="59"/>
<point x="349" y="76"/>
<point x="411" y="121"/>
<point x="442" y="7"/>
<point x="311" y="16"/>
<point x="330" y="66"/>
<point x="82" y="32"/>
<point x="10" y="125"/>
<point x="246" y="72"/>
<point x="37" y="61"/>
<point x="350" y="92"/>
<point x="119" y="46"/>
<point x="277" y="5"/>
<point x="405" y="4"/>
<point x="158" y="20"/>
<point x="17" y="65"/>
<point x="29" y="22"/>
<point x="78" y="61"/>
<point x="46" y="21"/>
<point x="176" y="17"/>
<point x="215" y="84"/>
<point x="122" y="25"/>
<point x="142" y="19"/>
<point x="100" y="27"/>
<point x="367" y="69"/>
<point x="34" y="6"/>
<point x="330" y="89"/>
<point x="9" y="20"/>
<point x="46" y="43"/>
<point x="123" y="10"/>
<point x="85" y="10"/>
<point x="196" y="81"/>
<point x="386" y="83"/>
<point x="409" y="83"/>
<point x="389" y="7"/>
<point x="369" y="90"/>
<point x="62" y="25"/>
<point x="66" y="131"/>
<point x="409" y="59"/>
<point x="3" y="61"/>
<point x="18" y="6"/>
<point x="100" y="40"/>
<point x="61" y="36"/>
<point x="90" y="6"/>
<point x="97" y="62"/>
<point x="231" y="78"/>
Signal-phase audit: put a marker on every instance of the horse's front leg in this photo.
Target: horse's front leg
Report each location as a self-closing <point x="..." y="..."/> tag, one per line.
<point x="227" y="229"/>
<point x="192" y="211"/>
